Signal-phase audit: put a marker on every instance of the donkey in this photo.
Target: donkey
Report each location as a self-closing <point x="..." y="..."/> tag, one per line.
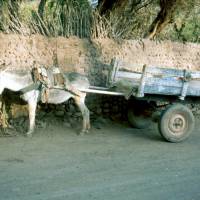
<point x="17" y="80"/>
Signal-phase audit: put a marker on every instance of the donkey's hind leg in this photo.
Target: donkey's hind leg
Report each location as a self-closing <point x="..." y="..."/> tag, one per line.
<point x="80" y="102"/>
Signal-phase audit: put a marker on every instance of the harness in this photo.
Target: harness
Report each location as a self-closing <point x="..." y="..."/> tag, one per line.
<point x="45" y="79"/>
<point x="49" y="77"/>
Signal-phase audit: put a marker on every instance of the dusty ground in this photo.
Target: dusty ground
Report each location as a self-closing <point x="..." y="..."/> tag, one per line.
<point x="114" y="161"/>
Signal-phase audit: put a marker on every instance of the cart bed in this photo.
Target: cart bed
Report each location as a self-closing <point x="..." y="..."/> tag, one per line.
<point x="155" y="80"/>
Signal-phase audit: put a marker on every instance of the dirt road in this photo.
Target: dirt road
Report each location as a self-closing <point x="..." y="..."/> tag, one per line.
<point x="113" y="162"/>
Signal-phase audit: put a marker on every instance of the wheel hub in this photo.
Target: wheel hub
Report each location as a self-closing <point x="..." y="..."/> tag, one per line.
<point x="177" y="124"/>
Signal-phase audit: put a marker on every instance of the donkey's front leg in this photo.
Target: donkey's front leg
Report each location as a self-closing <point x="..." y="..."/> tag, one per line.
<point x="32" y="99"/>
<point x="32" y="112"/>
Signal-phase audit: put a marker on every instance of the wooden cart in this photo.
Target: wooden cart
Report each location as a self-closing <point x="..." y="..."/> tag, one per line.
<point x="163" y="89"/>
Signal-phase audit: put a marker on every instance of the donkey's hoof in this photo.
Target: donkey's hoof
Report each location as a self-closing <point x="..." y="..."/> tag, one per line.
<point x="83" y="132"/>
<point x="29" y="134"/>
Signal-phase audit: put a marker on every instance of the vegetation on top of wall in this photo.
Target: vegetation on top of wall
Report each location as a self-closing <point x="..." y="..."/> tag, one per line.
<point x="162" y="19"/>
<point x="64" y="17"/>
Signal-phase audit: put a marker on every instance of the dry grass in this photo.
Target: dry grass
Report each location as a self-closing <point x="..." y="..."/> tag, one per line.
<point x="64" y="21"/>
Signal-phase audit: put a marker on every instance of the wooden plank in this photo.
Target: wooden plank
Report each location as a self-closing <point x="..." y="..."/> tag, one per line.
<point x="194" y="88"/>
<point x="102" y="92"/>
<point x="168" y="82"/>
<point x="195" y="75"/>
<point x="128" y="75"/>
<point x="165" y="71"/>
<point x="162" y="90"/>
<point x="134" y="82"/>
<point x="112" y="73"/>
<point x="157" y="71"/>
<point x="98" y="90"/>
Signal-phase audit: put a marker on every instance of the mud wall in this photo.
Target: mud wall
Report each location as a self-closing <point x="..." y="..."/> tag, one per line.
<point x="90" y="57"/>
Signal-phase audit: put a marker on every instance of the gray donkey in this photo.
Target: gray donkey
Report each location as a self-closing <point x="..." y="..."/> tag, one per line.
<point x="18" y="80"/>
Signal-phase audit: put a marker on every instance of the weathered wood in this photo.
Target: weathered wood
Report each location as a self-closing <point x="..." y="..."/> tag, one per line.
<point x="128" y="75"/>
<point x="162" y="72"/>
<point x="143" y="79"/>
<point x="97" y="91"/>
<point x="162" y="81"/>
<point x="114" y="69"/>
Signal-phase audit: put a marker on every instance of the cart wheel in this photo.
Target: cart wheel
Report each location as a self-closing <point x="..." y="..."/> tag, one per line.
<point x="176" y="123"/>
<point x="139" y="115"/>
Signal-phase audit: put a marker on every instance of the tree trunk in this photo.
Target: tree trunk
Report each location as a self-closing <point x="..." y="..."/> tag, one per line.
<point x="164" y="17"/>
<point x="108" y="5"/>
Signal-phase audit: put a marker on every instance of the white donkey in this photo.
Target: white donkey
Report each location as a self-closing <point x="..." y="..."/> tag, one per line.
<point x="17" y="80"/>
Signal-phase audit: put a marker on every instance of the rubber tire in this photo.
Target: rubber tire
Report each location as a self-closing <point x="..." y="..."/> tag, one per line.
<point x="135" y="116"/>
<point x="164" y="121"/>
